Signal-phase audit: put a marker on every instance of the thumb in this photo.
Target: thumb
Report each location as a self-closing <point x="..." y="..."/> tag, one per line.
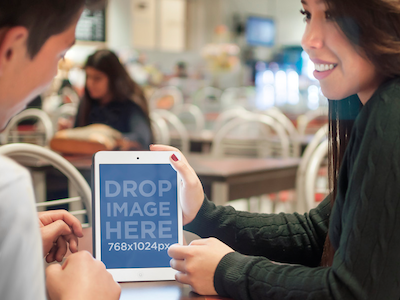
<point x="52" y="271"/>
<point x="53" y="280"/>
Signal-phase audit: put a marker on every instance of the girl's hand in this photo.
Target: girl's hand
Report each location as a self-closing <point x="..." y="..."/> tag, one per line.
<point x="192" y="194"/>
<point x="197" y="263"/>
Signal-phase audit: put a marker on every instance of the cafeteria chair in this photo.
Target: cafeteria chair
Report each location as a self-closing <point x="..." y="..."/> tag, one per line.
<point x="208" y="92"/>
<point x="208" y="100"/>
<point x="160" y="130"/>
<point x="304" y="121"/>
<point x="242" y="96"/>
<point x="191" y="116"/>
<point x="304" y="204"/>
<point x="291" y="130"/>
<point x="227" y="115"/>
<point x="166" y="97"/>
<point x="66" y="111"/>
<point x="42" y="133"/>
<point x="80" y="194"/>
<point x="316" y="176"/>
<point x="68" y="95"/>
<point x="178" y="133"/>
<point x="250" y="135"/>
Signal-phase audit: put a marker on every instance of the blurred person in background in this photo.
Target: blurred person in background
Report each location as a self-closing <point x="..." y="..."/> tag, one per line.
<point x="112" y="98"/>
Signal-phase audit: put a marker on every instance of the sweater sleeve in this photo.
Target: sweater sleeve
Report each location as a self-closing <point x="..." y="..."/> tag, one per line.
<point x="293" y="238"/>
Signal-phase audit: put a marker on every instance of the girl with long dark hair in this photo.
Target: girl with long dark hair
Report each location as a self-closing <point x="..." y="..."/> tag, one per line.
<point x="348" y="247"/>
<point x="114" y="99"/>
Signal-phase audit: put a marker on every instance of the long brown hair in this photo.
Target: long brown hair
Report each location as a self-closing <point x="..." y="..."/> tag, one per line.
<point x="342" y="115"/>
<point x="121" y="85"/>
<point x="373" y="27"/>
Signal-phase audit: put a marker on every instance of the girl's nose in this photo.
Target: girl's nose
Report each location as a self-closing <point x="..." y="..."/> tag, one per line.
<point x="313" y="37"/>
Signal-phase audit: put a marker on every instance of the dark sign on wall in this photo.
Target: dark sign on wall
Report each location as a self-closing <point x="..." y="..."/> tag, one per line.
<point x="91" y="26"/>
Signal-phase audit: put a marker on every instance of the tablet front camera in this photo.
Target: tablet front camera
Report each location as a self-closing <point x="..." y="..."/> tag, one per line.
<point x="137" y="157"/>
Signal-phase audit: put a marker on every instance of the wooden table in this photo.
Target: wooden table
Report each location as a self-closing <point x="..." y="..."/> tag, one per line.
<point x="233" y="178"/>
<point x="156" y="290"/>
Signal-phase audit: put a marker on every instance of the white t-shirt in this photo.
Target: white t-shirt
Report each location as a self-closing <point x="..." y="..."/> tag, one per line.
<point x="21" y="258"/>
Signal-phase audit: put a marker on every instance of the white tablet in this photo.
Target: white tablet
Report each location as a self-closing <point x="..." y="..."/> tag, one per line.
<point x="136" y="213"/>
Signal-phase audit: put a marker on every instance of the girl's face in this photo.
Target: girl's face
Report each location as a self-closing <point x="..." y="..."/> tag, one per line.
<point x="340" y="70"/>
<point x="97" y="83"/>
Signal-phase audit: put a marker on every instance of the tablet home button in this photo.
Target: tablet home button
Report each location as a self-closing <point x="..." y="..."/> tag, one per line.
<point x="140" y="274"/>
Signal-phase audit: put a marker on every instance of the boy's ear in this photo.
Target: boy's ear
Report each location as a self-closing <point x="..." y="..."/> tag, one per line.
<point x="13" y="42"/>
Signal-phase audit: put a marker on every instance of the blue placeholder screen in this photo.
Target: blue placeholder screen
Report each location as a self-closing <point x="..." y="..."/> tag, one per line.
<point x="138" y="214"/>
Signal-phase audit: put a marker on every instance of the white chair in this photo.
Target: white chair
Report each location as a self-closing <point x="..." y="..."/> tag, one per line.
<point x="160" y="130"/>
<point x="304" y="120"/>
<point x="313" y="182"/>
<point x="277" y="114"/>
<point x="22" y="152"/>
<point x="252" y="135"/>
<point x="206" y="93"/>
<point x="68" y="95"/>
<point x="191" y="116"/>
<point x="243" y="96"/>
<point x="68" y="111"/>
<point x="227" y="115"/>
<point x="161" y="98"/>
<point x="10" y="134"/>
<point x="178" y="133"/>
<point x="319" y="137"/>
<point x="208" y="100"/>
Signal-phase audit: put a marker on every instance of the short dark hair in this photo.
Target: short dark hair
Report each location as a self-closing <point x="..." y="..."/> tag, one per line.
<point x="43" y="18"/>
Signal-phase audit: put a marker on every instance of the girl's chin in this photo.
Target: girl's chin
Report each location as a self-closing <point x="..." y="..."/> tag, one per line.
<point x="333" y="95"/>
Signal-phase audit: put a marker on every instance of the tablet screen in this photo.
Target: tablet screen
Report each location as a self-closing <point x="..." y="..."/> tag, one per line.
<point x="138" y="214"/>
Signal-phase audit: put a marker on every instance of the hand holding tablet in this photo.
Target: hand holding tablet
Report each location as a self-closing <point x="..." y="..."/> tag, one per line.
<point x="192" y="193"/>
<point x="137" y="214"/>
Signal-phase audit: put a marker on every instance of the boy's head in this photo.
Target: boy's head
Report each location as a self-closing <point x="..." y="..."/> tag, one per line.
<point x="34" y="36"/>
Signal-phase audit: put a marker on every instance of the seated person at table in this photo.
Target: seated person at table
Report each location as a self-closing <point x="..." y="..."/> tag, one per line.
<point x="348" y="247"/>
<point x="114" y="99"/>
<point x="34" y="36"/>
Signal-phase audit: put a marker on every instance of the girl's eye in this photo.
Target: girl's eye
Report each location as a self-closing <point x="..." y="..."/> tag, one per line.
<point x="306" y="14"/>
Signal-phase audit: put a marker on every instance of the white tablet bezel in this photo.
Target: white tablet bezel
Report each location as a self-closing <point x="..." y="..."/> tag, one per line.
<point x="131" y="157"/>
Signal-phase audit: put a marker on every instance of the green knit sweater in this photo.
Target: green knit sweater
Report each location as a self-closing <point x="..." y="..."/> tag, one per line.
<point x="364" y="226"/>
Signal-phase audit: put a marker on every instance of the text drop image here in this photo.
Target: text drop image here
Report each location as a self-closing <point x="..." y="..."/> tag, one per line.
<point x="139" y="214"/>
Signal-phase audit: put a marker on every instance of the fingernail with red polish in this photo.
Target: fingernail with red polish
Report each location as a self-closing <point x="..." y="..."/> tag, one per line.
<point x="174" y="158"/>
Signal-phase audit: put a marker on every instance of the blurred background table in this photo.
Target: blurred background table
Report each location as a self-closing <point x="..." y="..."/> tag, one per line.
<point x="231" y="178"/>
